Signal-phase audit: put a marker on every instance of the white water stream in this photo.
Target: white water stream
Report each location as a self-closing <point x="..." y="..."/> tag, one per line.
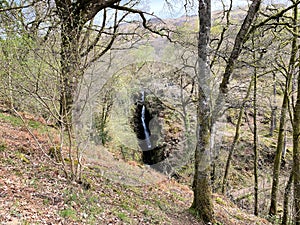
<point x="146" y="132"/>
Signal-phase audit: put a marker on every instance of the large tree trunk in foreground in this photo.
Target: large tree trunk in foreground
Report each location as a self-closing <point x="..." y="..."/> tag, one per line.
<point x="202" y="203"/>
<point x="70" y="73"/>
<point x="73" y="16"/>
<point x="71" y="26"/>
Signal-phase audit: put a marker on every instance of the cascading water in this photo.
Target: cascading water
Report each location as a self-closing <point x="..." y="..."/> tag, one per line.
<point x="146" y="131"/>
<point x="152" y="153"/>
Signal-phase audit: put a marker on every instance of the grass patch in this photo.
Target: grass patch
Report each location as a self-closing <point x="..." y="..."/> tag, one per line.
<point x="17" y="122"/>
<point x="178" y="197"/>
<point x="122" y="216"/>
<point x="194" y="212"/>
<point x="88" y="201"/>
<point x="35" y="124"/>
<point x="13" y="120"/>
<point x="68" y="213"/>
<point x="126" y="206"/>
<point x="2" y="146"/>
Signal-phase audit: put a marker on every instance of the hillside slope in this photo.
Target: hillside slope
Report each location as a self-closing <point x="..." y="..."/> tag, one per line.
<point x="33" y="189"/>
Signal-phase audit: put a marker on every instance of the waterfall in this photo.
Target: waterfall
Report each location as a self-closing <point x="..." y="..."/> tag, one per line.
<point x="146" y="132"/>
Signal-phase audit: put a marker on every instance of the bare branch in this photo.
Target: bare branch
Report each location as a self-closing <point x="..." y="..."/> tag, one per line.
<point x="144" y="20"/>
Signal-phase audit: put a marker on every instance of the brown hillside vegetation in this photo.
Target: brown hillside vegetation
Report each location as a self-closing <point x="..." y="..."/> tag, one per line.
<point x="33" y="190"/>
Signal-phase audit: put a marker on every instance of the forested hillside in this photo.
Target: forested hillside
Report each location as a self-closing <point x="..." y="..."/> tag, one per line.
<point x="111" y="115"/>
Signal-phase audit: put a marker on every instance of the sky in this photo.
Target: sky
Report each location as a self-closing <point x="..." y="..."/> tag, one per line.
<point x="160" y="8"/>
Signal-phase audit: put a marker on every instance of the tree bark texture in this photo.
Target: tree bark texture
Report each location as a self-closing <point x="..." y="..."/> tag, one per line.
<point x="296" y="156"/>
<point x="202" y="202"/>
<point x="255" y="142"/>
<point x="73" y="16"/>
<point x="287" y="192"/>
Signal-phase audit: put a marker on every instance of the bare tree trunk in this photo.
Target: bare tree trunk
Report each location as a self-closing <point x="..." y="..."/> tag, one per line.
<point x="70" y="67"/>
<point x="70" y="73"/>
<point x="279" y="148"/>
<point x="296" y="146"/>
<point x="239" y="41"/>
<point x="273" y="108"/>
<point x="73" y="15"/>
<point x="281" y="133"/>
<point x="255" y="143"/>
<point x="296" y="155"/>
<point x="202" y="203"/>
<point x="284" y="149"/>
<point x="286" y="200"/>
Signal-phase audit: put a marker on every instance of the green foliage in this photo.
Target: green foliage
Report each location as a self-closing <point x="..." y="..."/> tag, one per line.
<point x="24" y="72"/>
<point x="4" y="3"/>
<point x="216" y="30"/>
<point x="25" y="222"/>
<point x="99" y="132"/>
<point x="129" y="153"/>
<point x="184" y="32"/>
<point x="220" y="201"/>
<point x="169" y="53"/>
<point x="144" y="53"/>
<point x="194" y="212"/>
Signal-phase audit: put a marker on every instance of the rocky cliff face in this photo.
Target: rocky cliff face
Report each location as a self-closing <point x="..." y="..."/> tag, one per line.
<point x="166" y="131"/>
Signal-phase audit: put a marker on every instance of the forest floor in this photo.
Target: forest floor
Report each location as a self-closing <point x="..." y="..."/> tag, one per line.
<point x="33" y="188"/>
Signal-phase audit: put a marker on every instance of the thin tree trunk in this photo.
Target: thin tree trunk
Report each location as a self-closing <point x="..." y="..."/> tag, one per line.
<point x="296" y="156"/>
<point x="273" y="108"/>
<point x="279" y="148"/>
<point x="284" y="149"/>
<point x="286" y="200"/>
<point x="239" y="41"/>
<point x="236" y="139"/>
<point x="281" y="133"/>
<point x="255" y="143"/>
